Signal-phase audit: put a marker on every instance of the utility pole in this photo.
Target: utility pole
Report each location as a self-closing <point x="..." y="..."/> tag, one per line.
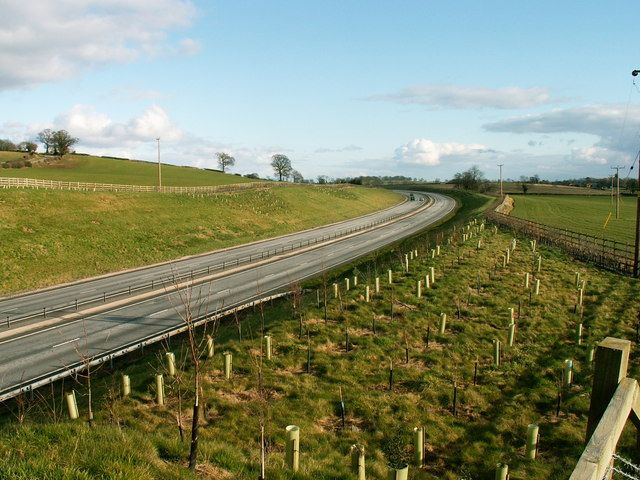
<point x="612" y="190"/>
<point x="159" y="167"/>
<point x="637" y="249"/>
<point x="617" y="169"/>
<point x="500" y="165"/>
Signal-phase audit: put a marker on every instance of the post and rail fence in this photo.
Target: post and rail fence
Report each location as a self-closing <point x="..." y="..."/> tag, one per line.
<point x="15" y="182"/>
<point x="615" y="398"/>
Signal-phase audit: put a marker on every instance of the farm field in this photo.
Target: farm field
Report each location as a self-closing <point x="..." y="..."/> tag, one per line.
<point x="536" y="188"/>
<point x="350" y="352"/>
<point x="580" y="214"/>
<point x="59" y="236"/>
<point x="85" y="168"/>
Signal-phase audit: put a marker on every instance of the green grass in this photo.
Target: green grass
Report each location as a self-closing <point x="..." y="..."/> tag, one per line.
<point x="580" y="214"/>
<point x="537" y="188"/>
<point x="134" y="438"/>
<point x="58" y="236"/>
<point x="81" y="168"/>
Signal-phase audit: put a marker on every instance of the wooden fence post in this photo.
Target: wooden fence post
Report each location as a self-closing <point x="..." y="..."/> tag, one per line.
<point x="612" y="360"/>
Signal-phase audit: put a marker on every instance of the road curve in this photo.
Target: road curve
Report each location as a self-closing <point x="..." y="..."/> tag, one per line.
<point x="93" y="291"/>
<point x="43" y="355"/>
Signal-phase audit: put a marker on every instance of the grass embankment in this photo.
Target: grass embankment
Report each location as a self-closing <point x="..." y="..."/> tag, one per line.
<point x="580" y="214"/>
<point x="49" y="237"/>
<point x="134" y="438"/>
<point x="83" y="168"/>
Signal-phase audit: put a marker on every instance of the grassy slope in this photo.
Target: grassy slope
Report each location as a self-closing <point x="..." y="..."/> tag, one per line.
<point x="59" y="236"/>
<point x="80" y="168"/>
<point x="580" y="214"/>
<point x="134" y="438"/>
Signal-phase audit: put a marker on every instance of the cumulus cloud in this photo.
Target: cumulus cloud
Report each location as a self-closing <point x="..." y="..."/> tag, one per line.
<point x="44" y="41"/>
<point x="613" y="125"/>
<point x="593" y="155"/>
<point x="97" y="129"/>
<point x="422" y="151"/>
<point x="458" y="97"/>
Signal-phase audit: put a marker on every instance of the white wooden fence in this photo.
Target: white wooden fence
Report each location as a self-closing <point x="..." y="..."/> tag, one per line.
<point x="10" y="182"/>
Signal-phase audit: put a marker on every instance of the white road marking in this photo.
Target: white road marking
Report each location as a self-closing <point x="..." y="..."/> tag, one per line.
<point x="64" y="343"/>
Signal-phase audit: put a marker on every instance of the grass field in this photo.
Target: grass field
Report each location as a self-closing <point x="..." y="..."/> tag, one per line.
<point x="134" y="438"/>
<point x="580" y="214"/>
<point x="58" y="236"/>
<point x="81" y="168"/>
<point x="537" y="189"/>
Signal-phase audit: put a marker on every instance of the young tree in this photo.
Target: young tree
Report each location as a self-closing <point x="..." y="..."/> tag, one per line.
<point x="62" y="142"/>
<point x="297" y="176"/>
<point x="281" y="165"/>
<point x="472" y="179"/>
<point x="29" y="147"/>
<point x="225" y="160"/>
<point x="46" y="138"/>
<point x="7" y="145"/>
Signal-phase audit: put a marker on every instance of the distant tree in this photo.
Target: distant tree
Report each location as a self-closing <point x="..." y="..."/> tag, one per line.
<point x="472" y="179"/>
<point x="297" y="176"/>
<point x="281" y="165"/>
<point x="252" y="175"/>
<point x="29" y="147"/>
<point x="524" y="184"/>
<point x="225" y="160"/>
<point x="322" y="179"/>
<point x="62" y="142"/>
<point x="45" y="137"/>
<point x="7" y="145"/>
<point x="631" y="185"/>
<point x="534" y="179"/>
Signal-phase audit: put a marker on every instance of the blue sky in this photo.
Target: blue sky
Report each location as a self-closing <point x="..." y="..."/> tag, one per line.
<point x="424" y="89"/>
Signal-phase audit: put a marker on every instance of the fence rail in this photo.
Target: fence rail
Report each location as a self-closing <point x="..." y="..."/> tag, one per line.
<point x="615" y="398"/>
<point x="11" y="182"/>
<point x="606" y="253"/>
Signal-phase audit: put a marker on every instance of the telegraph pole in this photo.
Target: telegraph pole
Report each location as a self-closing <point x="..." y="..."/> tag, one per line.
<point x="500" y="165"/>
<point x="159" y="167"/>
<point x="637" y="249"/>
<point x="617" y="169"/>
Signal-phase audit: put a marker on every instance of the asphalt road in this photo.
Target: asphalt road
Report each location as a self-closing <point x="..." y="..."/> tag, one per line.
<point x="36" y="356"/>
<point x="99" y="290"/>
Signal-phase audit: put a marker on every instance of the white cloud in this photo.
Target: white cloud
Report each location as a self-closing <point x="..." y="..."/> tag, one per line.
<point x="593" y="155"/>
<point x="98" y="130"/>
<point x="458" y="97"/>
<point x="347" y="148"/>
<point x="615" y="127"/>
<point x="44" y="41"/>
<point x="425" y="152"/>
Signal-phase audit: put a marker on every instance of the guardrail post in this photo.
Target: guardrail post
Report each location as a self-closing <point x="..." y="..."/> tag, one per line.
<point x="612" y="361"/>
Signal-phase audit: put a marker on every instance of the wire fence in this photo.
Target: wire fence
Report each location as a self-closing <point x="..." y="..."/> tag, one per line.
<point x="606" y="253"/>
<point x="624" y="469"/>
